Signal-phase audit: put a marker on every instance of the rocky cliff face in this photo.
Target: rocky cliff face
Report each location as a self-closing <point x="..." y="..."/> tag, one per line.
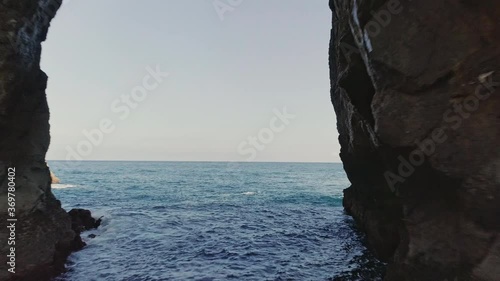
<point x="415" y="89"/>
<point x="43" y="235"/>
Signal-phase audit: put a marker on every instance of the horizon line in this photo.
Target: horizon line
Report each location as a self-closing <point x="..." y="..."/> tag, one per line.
<point x="197" y="161"/>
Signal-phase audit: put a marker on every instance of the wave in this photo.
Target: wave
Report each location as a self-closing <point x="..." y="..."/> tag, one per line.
<point x="249" y="193"/>
<point x="62" y="186"/>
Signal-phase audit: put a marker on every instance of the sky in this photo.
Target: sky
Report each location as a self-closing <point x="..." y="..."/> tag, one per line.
<point x="191" y="80"/>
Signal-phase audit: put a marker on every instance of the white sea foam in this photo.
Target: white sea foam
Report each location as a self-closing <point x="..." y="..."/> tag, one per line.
<point x="62" y="186"/>
<point x="249" y="193"/>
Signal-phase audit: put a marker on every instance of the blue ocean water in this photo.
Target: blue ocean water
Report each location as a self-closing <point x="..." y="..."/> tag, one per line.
<point x="213" y="221"/>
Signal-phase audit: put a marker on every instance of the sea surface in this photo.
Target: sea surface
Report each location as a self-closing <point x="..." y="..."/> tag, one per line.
<point x="213" y="221"/>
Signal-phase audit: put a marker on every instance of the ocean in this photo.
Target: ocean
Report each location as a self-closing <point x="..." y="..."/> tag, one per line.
<point x="213" y="221"/>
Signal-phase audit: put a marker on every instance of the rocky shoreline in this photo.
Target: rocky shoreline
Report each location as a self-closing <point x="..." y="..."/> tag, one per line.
<point x="80" y="221"/>
<point x="43" y="230"/>
<point x="415" y="86"/>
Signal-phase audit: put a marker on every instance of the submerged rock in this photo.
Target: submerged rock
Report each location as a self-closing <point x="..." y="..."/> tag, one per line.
<point x="415" y="89"/>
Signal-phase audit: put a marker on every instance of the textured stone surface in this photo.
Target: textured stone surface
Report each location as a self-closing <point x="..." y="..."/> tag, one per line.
<point x="82" y="220"/>
<point x="414" y="78"/>
<point x="44" y="235"/>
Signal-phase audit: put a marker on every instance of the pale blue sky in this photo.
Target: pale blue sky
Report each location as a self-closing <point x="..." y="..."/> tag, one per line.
<point x="227" y="77"/>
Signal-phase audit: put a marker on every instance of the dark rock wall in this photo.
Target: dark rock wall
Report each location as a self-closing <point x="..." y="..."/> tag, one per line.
<point x="415" y="89"/>
<point x="43" y="230"/>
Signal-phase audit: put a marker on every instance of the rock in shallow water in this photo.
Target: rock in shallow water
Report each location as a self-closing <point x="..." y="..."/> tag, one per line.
<point x="82" y="220"/>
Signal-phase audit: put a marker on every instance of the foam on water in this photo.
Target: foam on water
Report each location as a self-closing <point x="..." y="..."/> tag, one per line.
<point x="249" y="193"/>
<point x="189" y="221"/>
<point x="62" y="186"/>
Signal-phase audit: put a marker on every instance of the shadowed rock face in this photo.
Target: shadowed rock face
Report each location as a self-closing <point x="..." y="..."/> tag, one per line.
<point x="82" y="220"/>
<point x="412" y="78"/>
<point x="415" y="89"/>
<point x="43" y="230"/>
